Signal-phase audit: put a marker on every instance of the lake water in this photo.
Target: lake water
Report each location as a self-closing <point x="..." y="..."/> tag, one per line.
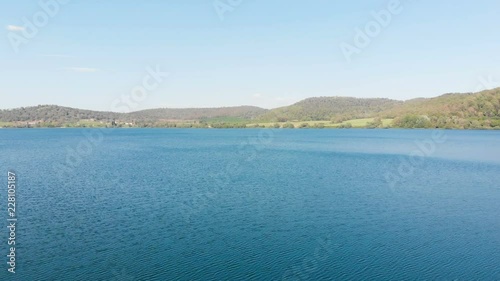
<point x="175" y="204"/>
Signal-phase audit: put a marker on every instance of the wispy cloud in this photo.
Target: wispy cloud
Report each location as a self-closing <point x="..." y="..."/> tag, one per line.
<point x="82" y="69"/>
<point x="257" y="95"/>
<point x="15" y="28"/>
<point x="56" y="56"/>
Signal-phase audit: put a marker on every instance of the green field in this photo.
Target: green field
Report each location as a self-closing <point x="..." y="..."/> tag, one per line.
<point x="5" y="124"/>
<point x="87" y="124"/>
<point x="361" y="123"/>
<point x="356" y="123"/>
<point x="227" y="119"/>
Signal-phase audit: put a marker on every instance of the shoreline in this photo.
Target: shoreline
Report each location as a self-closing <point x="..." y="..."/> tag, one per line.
<point x="265" y="128"/>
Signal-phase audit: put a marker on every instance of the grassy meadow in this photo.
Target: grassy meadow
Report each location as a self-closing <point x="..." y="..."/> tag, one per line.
<point x="355" y="123"/>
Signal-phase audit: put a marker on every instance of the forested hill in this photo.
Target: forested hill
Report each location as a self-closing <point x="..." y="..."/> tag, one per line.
<point x="335" y="109"/>
<point x="485" y="103"/>
<point x="461" y="111"/>
<point x="236" y="113"/>
<point x="59" y="114"/>
<point x="454" y="111"/>
<point x="54" y="113"/>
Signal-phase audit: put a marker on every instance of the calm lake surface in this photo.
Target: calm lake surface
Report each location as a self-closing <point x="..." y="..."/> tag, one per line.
<point x="175" y="204"/>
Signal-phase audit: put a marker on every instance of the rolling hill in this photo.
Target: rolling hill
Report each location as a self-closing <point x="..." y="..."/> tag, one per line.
<point x="458" y="111"/>
<point x="237" y="112"/>
<point x="54" y="113"/>
<point x="330" y="108"/>
<point x="462" y="111"/>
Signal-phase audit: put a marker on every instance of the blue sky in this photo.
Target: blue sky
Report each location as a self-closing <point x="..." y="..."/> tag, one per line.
<point x="265" y="53"/>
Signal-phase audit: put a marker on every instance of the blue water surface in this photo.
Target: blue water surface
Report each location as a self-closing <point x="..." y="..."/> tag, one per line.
<point x="201" y="204"/>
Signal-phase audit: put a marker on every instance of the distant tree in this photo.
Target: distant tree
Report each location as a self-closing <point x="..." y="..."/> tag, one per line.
<point x="376" y="123"/>
<point x="337" y="119"/>
<point x="413" y="121"/>
<point x="347" y="125"/>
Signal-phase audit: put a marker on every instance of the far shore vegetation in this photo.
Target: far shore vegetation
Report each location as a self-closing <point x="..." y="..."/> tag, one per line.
<point x="366" y="123"/>
<point x="480" y="111"/>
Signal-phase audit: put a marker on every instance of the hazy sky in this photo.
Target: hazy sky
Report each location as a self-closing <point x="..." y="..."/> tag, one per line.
<point x="270" y="53"/>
